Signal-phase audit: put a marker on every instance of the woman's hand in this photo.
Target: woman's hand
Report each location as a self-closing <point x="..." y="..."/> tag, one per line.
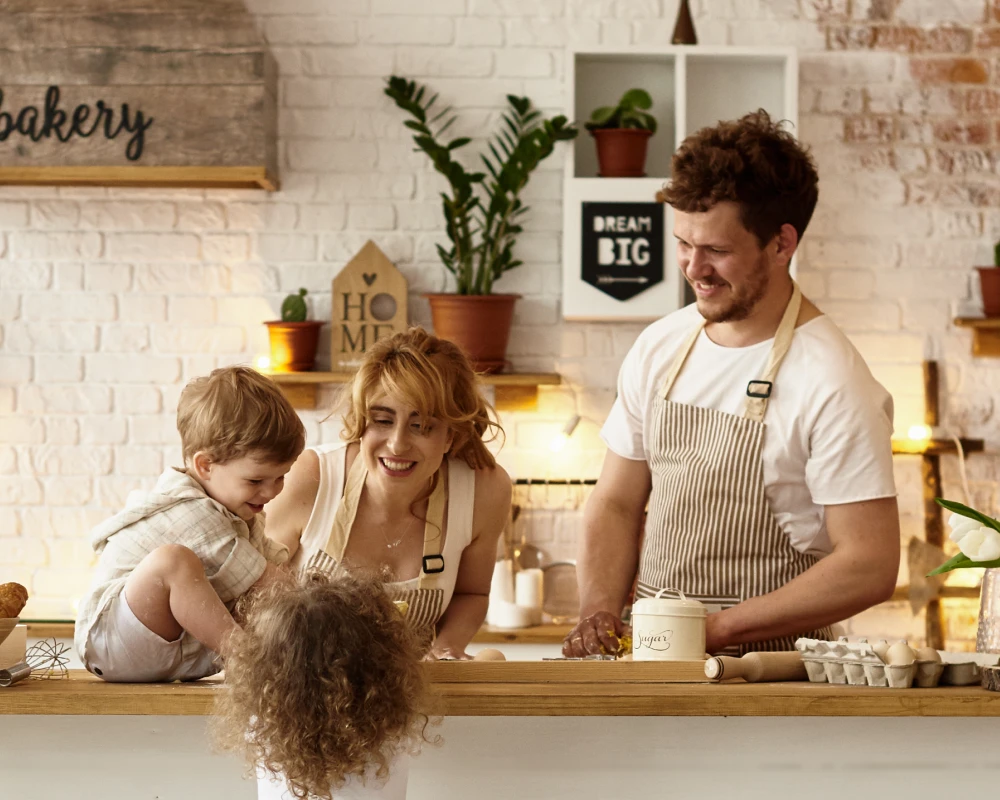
<point x="597" y="634"/>
<point x="442" y="652"/>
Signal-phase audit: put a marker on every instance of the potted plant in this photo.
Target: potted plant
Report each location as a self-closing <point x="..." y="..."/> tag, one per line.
<point x="293" y="338"/>
<point x="989" y="285"/>
<point x="622" y="133"/>
<point x="483" y="214"/>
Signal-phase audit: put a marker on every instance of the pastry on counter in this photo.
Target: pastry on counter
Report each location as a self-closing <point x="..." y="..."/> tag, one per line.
<point x="13" y="596"/>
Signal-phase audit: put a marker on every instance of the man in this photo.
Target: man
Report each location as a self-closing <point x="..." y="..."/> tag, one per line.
<point x="748" y="423"/>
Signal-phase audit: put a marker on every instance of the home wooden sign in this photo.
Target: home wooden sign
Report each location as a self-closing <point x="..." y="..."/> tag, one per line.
<point x="136" y="92"/>
<point x="369" y="303"/>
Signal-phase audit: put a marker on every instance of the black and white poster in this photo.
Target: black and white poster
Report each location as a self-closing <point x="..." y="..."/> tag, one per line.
<point x="622" y="247"/>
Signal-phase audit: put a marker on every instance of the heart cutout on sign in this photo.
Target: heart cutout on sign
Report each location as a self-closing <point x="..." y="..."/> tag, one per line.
<point x="369" y="277"/>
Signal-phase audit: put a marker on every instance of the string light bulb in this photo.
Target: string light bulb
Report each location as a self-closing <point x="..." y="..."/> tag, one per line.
<point x="559" y="442"/>
<point x="919" y="433"/>
<point x="263" y="363"/>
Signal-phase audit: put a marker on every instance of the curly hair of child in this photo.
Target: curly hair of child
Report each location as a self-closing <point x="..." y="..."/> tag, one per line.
<point x="324" y="683"/>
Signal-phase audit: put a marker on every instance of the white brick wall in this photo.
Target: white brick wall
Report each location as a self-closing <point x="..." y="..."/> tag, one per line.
<point x="111" y="299"/>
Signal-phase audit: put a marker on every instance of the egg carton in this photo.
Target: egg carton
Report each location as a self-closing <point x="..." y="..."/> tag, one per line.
<point x="858" y="664"/>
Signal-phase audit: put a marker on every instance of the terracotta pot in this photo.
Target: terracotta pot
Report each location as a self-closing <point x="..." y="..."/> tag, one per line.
<point x="479" y="324"/>
<point x="621" y="152"/>
<point x="293" y="345"/>
<point x="989" y="285"/>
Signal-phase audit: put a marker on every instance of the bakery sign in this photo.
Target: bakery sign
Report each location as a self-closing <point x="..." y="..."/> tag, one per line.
<point x="622" y="247"/>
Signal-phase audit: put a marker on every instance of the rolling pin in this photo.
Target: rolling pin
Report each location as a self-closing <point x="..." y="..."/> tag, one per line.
<point x="754" y="667"/>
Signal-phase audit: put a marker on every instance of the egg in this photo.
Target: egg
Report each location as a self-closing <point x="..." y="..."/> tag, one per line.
<point x="928" y="654"/>
<point x="880" y="648"/>
<point x="900" y="655"/>
<point x="489" y="654"/>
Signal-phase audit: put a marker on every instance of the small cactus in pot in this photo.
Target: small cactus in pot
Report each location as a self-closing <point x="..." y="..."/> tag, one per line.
<point x="293" y="338"/>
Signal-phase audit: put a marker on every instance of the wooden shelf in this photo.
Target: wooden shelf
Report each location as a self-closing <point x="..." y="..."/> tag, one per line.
<point x="985" y="334"/>
<point x="514" y="391"/>
<point x="526" y="689"/>
<point x="934" y="447"/>
<point x="165" y="177"/>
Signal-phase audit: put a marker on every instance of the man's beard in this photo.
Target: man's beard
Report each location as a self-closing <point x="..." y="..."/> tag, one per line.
<point x="742" y="301"/>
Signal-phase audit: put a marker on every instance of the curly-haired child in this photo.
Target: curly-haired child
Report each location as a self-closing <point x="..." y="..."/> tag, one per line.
<point x="174" y="563"/>
<point x="325" y="685"/>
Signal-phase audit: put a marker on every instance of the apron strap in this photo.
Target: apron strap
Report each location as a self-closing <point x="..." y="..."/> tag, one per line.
<point x="432" y="562"/>
<point x="685" y="351"/>
<point x="758" y="392"/>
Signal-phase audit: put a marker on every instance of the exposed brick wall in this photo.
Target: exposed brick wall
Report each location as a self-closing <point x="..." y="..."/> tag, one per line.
<point x="110" y="300"/>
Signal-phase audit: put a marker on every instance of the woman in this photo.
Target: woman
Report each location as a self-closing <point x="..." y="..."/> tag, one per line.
<point x="414" y="491"/>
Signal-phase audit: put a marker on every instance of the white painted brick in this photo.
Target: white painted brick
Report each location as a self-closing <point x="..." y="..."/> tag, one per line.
<point x="133" y="460"/>
<point x="200" y="216"/>
<point x="55" y="215"/>
<point x="472" y="32"/>
<point x="813" y="284"/>
<point x="328" y="217"/>
<point x="896" y="348"/>
<point x="152" y="429"/>
<point x="68" y="277"/>
<point x="257" y="216"/>
<point x="523" y="63"/>
<point x="128" y="368"/>
<point x="70" y="553"/>
<point x="371" y="216"/>
<point x="439" y="8"/>
<point x="157" y="279"/>
<point x="334" y="188"/>
<point x="520" y="280"/>
<point x="131" y="216"/>
<point x="245" y="310"/>
<point x="339" y="62"/>
<point x="124" y="338"/>
<point x="516" y="8"/>
<point x="310" y="30"/>
<point x="536" y="311"/>
<point x="65" y="399"/>
<point x="282" y="247"/>
<point x="64" y="523"/>
<point x="860" y="69"/>
<point x="917" y="284"/>
<point x="8" y="460"/>
<point x="70" y="460"/>
<point x="856" y="284"/>
<point x="8" y="397"/>
<point x="24" y="551"/>
<point x="73" y="582"/>
<point x="61" y="368"/>
<point x="61" y="429"/>
<point x="171" y="247"/>
<point x="307" y="93"/>
<point x="923" y="12"/>
<point x="137" y="400"/>
<point x="13" y="216"/>
<point x="15" y="369"/>
<point x="198" y="310"/>
<point x="56" y="246"/>
<point x="104" y="429"/>
<point x="88" y="307"/>
<point x="107" y="277"/>
<point x="26" y="276"/>
<point x="844" y="253"/>
<point x="403" y="30"/>
<point x="616" y="33"/>
<point x="422" y="62"/>
<point x="19" y="490"/>
<point x="191" y="338"/>
<point x="342" y="247"/>
<point x="311" y="123"/>
<point x="861" y="316"/>
<point x="957" y="223"/>
<point x="255" y="279"/>
<point x="69" y="491"/>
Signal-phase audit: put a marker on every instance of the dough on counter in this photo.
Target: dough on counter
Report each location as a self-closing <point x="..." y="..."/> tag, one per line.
<point x="13" y="596"/>
<point x="489" y="654"/>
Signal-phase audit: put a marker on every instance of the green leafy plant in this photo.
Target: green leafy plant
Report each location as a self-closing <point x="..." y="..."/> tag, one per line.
<point x="293" y="309"/>
<point x="483" y="210"/>
<point x="976" y="538"/>
<point x="629" y="113"/>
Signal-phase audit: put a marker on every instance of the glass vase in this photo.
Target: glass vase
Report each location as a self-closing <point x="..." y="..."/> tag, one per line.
<point x="988" y="633"/>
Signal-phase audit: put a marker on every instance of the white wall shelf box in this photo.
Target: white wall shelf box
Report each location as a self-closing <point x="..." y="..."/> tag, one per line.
<point x="691" y="87"/>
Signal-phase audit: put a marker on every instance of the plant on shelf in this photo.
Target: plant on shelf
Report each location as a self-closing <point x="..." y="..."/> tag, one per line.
<point x="989" y="285"/>
<point x="293" y="339"/>
<point x="622" y="134"/>
<point x="483" y="213"/>
<point x="978" y="538"/>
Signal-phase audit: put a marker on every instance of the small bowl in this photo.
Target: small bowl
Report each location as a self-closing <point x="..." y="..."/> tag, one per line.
<point x="7" y="624"/>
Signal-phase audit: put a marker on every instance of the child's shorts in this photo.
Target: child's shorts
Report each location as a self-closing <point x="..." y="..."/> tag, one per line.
<point x="123" y="650"/>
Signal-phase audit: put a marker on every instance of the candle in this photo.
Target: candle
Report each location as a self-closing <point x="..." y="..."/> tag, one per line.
<point x="528" y="588"/>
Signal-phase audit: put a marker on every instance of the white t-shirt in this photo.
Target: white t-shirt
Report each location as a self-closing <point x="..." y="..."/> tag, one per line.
<point x="828" y="421"/>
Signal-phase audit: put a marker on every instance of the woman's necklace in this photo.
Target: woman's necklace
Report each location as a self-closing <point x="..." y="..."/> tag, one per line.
<point x="398" y="540"/>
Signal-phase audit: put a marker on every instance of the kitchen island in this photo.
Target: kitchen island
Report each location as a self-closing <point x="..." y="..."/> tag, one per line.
<point x="535" y="730"/>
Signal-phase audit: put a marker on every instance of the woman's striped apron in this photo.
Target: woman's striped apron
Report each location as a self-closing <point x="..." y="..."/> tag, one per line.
<point x="424" y="596"/>
<point x="710" y="531"/>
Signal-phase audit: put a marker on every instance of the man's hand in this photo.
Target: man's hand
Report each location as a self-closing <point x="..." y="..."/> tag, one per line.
<point x="439" y="653"/>
<point x="593" y="632"/>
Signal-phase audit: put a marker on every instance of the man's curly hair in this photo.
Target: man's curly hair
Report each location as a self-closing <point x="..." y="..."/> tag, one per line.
<point x="752" y="161"/>
<point x="324" y="683"/>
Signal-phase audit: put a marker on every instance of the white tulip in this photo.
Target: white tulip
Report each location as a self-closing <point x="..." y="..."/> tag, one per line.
<point x="982" y="544"/>
<point x="960" y="526"/>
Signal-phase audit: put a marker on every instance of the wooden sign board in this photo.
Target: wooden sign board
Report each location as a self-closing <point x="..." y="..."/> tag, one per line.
<point x="369" y="303"/>
<point x="141" y="92"/>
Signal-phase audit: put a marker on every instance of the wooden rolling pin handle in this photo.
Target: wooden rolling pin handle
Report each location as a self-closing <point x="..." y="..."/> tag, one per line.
<point x="754" y="667"/>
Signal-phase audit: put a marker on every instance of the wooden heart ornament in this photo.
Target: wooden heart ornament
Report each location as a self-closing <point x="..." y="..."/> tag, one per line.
<point x="369" y="278"/>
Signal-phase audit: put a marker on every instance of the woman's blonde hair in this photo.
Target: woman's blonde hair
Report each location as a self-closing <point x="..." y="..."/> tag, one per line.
<point x="434" y="376"/>
<point x="235" y="411"/>
<point x="324" y="682"/>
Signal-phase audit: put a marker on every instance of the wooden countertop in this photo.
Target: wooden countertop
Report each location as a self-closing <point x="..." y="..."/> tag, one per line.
<point x="538" y="634"/>
<point x="525" y="692"/>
